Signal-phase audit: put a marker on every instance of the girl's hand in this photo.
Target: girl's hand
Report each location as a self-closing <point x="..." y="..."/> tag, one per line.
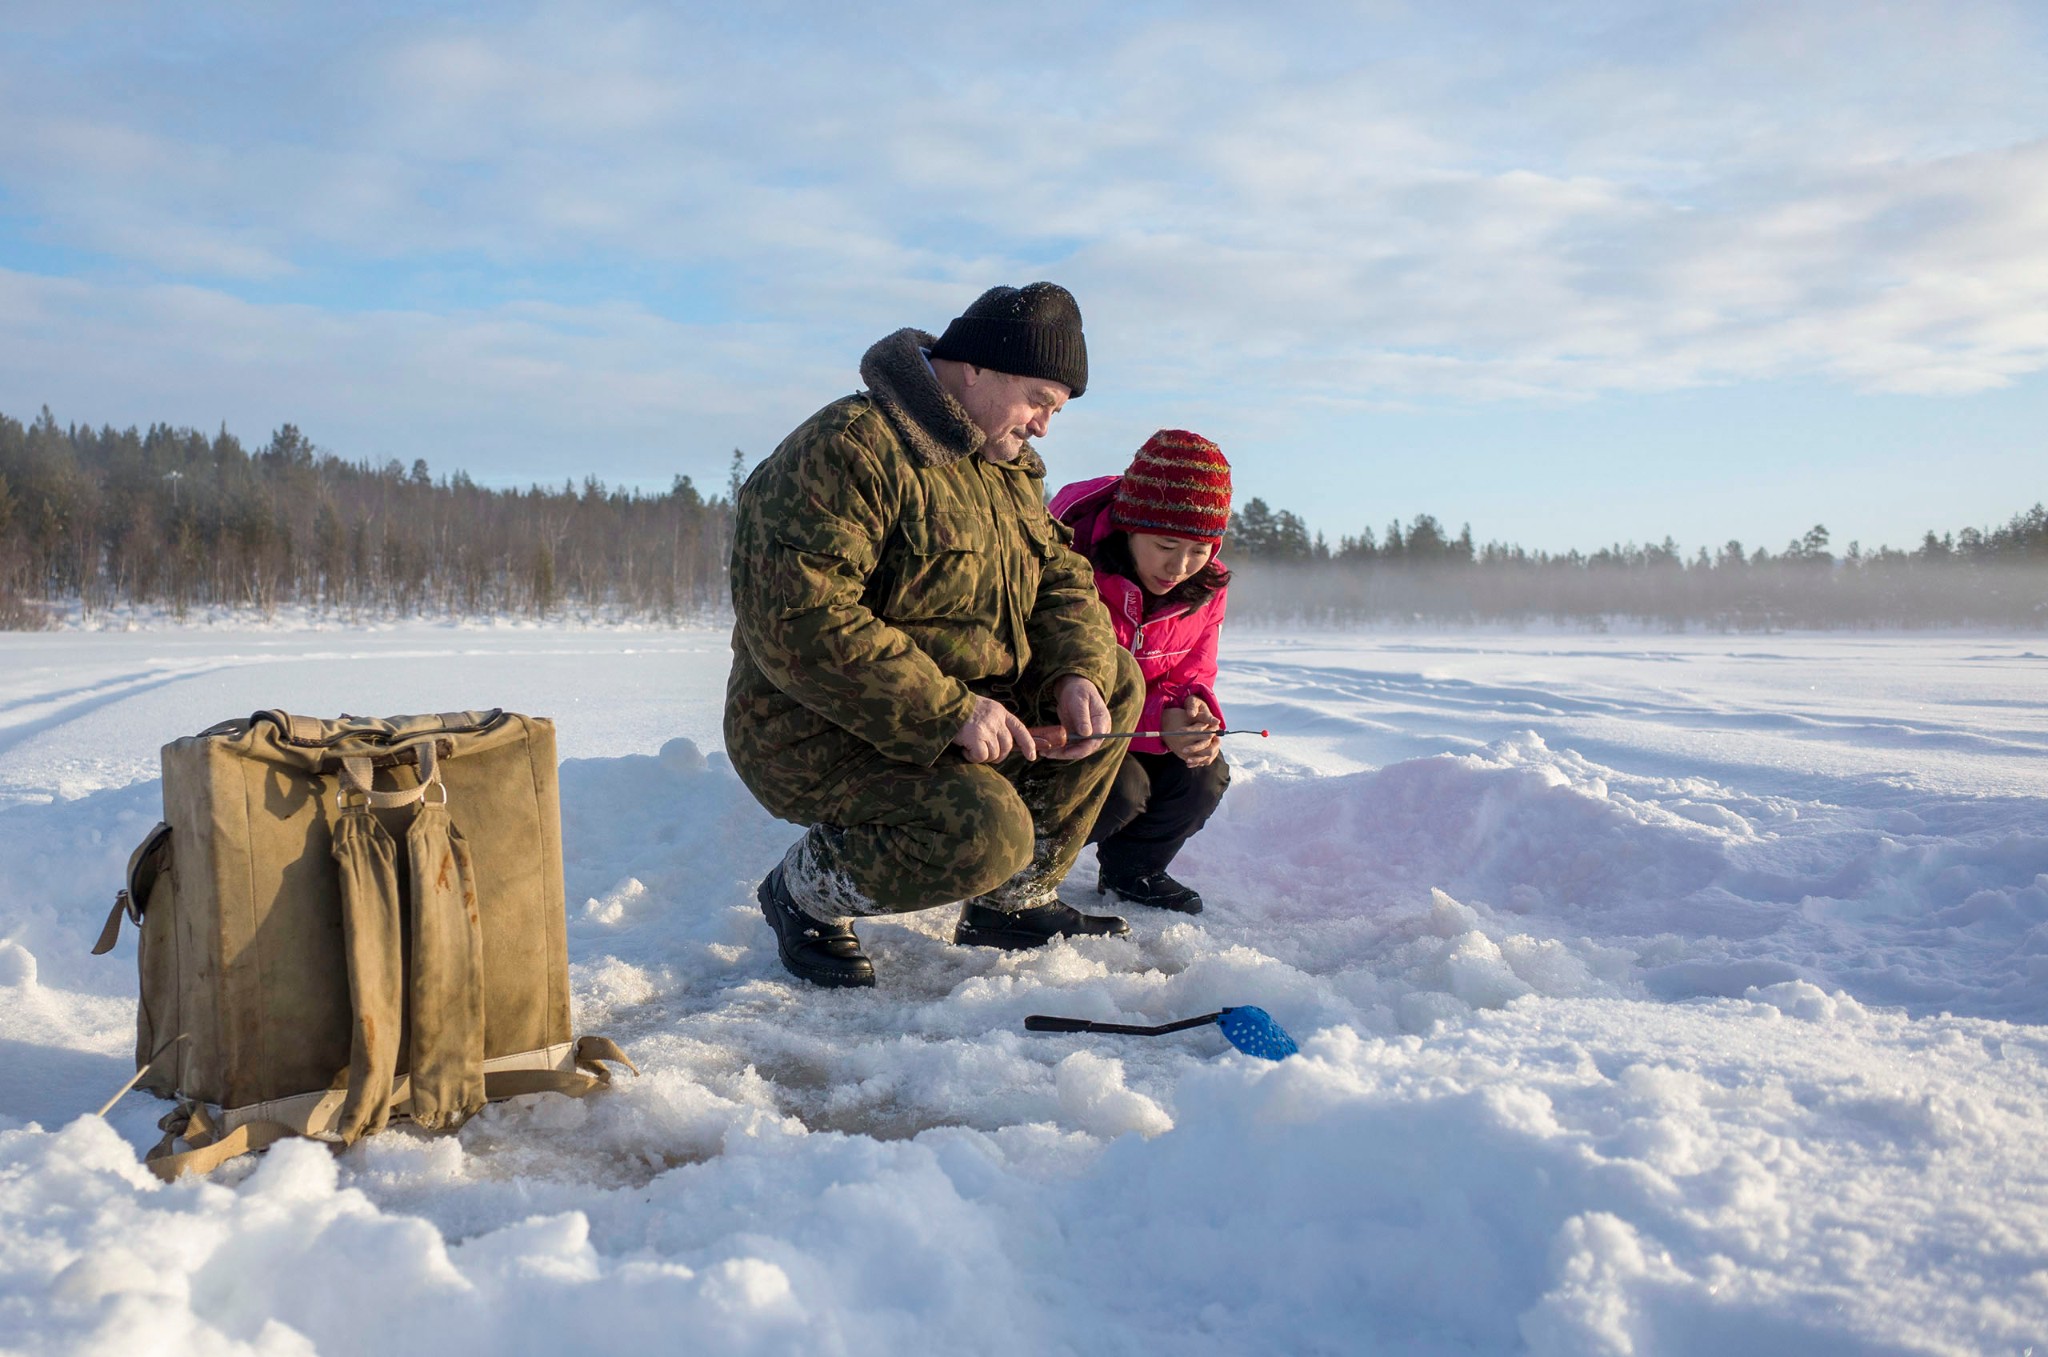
<point x="1190" y="731"/>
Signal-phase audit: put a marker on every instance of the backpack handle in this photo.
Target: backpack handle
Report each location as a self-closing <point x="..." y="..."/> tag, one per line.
<point x="358" y="774"/>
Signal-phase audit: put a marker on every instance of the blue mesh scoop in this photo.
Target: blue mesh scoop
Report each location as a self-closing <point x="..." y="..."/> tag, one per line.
<point x="1251" y="1030"/>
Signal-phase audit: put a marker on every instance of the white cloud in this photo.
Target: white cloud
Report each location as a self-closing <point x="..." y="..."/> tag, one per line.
<point x="1339" y="204"/>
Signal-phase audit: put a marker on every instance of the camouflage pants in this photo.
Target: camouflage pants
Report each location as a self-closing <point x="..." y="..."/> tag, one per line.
<point x="888" y="837"/>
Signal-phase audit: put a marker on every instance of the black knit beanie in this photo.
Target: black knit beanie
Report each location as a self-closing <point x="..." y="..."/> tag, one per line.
<point x="1032" y="331"/>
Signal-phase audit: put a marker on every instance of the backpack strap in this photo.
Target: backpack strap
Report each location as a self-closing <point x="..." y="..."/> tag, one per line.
<point x="367" y="857"/>
<point x="145" y="865"/>
<point x="589" y="1075"/>
<point x="208" y="1151"/>
<point x="447" y="985"/>
<point x="591" y="1051"/>
<point x="207" y="1147"/>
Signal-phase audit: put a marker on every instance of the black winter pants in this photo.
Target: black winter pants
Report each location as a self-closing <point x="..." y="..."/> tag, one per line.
<point x="1155" y="806"/>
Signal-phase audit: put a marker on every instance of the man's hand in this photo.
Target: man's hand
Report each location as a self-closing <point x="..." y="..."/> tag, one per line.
<point x="993" y="733"/>
<point x="1083" y="715"/>
<point x="1198" y="746"/>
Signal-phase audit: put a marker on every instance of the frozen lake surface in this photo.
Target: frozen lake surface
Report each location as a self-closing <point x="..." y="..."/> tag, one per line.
<point x="1656" y="995"/>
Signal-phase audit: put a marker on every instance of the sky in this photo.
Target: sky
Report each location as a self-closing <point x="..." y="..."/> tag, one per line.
<point x="1571" y="273"/>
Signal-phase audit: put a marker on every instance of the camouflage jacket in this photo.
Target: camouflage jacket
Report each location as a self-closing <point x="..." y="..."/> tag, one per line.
<point x="883" y="573"/>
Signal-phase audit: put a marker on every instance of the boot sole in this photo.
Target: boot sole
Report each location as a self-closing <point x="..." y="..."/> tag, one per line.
<point x="1192" y="907"/>
<point x="1019" y="942"/>
<point x="824" y="979"/>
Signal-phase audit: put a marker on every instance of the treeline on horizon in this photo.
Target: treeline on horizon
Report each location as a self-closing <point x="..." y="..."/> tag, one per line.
<point x="1996" y="576"/>
<point x="177" y="519"/>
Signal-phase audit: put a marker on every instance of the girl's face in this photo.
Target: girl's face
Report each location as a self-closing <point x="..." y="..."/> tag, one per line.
<point x="1163" y="562"/>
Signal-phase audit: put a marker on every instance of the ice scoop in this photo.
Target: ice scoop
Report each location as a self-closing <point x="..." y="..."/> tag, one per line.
<point x="1251" y="1030"/>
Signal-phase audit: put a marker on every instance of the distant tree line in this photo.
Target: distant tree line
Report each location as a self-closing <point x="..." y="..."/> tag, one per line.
<point x="174" y="518"/>
<point x="1421" y="572"/>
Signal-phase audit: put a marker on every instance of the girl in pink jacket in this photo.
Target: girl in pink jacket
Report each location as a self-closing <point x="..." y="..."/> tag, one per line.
<point x="1152" y="535"/>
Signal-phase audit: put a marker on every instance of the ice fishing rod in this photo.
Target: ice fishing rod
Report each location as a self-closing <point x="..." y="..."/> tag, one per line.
<point x="1056" y="737"/>
<point x="1157" y="734"/>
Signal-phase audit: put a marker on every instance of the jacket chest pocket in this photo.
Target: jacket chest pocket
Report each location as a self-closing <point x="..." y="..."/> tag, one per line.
<point x="1042" y="546"/>
<point x="1041" y="539"/>
<point x="942" y="569"/>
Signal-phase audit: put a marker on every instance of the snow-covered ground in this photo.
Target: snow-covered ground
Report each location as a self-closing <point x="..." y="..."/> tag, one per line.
<point x="1659" y="995"/>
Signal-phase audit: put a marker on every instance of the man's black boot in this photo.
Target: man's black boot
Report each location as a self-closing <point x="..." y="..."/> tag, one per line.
<point x="981" y="926"/>
<point x="822" y="953"/>
<point x="1156" y="889"/>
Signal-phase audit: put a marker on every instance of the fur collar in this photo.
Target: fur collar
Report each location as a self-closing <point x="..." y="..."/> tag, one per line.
<point x="933" y="425"/>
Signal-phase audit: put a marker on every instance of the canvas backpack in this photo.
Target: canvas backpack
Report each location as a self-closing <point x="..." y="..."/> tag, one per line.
<point x="347" y="921"/>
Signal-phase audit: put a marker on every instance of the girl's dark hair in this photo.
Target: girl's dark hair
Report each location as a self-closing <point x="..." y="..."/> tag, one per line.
<point x="1113" y="553"/>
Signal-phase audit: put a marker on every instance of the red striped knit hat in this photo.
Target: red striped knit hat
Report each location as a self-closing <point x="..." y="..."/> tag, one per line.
<point x="1178" y="486"/>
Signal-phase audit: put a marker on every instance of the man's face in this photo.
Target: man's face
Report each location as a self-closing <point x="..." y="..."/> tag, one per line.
<point x="1008" y="409"/>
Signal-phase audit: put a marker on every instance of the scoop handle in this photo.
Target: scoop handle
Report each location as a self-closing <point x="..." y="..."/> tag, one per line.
<point x="1039" y="1022"/>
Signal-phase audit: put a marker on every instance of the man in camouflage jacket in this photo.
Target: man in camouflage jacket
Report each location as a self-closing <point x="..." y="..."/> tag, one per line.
<point x="906" y="608"/>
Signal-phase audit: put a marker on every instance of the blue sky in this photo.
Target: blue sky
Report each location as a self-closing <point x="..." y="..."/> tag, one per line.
<point x="1572" y="273"/>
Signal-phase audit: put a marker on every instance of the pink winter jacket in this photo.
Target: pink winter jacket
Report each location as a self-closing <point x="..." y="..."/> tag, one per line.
<point x="1176" y="646"/>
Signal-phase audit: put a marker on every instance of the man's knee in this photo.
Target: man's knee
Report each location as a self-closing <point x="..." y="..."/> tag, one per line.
<point x="997" y="851"/>
<point x="974" y="834"/>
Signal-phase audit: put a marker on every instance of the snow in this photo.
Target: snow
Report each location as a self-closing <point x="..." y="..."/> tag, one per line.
<point x="1656" y="995"/>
